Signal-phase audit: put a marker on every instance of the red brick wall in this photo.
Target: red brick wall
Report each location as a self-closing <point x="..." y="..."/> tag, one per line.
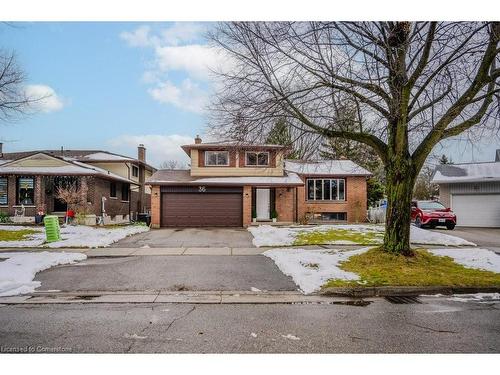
<point x="285" y="204"/>
<point x="247" y="205"/>
<point x="155" y="207"/>
<point x="355" y="204"/>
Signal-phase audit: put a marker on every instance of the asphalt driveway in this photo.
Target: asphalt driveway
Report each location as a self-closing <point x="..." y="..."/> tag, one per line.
<point x="483" y="237"/>
<point x="189" y="237"/>
<point x="146" y="273"/>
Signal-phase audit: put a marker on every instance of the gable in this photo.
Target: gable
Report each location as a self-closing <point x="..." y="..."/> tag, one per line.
<point x="38" y="160"/>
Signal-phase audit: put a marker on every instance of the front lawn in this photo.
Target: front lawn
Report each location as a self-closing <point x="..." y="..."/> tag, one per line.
<point x="16" y="235"/>
<point x="338" y="236"/>
<point x="378" y="268"/>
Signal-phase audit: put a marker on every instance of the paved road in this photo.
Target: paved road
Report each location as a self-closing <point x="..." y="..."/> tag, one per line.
<point x="484" y="237"/>
<point x="196" y="272"/>
<point x="435" y="326"/>
<point x="190" y="237"/>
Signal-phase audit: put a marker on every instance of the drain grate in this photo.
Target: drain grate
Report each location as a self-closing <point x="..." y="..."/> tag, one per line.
<point x="403" y="300"/>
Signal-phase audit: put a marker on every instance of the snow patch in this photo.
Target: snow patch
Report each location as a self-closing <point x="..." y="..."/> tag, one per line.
<point x="75" y="236"/>
<point x="18" y="270"/>
<point x="478" y="297"/>
<point x="291" y="337"/>
<point x="253" y="289"/>
<point x="482" y="259"/>
<point x="310" y="269"/>
<point x="267" y="235"/>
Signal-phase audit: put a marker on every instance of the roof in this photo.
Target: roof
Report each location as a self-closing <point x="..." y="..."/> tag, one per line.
<point x="183" y="177"/>
<point x="71" y="167"/>
<point x="230" y="145"/>
<point x="79" y="155"/>
<point x="326" y="167"/>
<point x="471" y="172"/>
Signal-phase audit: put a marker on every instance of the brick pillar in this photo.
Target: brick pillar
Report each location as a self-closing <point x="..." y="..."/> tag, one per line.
<point x="285" y="203"/>
<point x="40" y="194"/>
<point x="155" y="207"/>
<point x="247" y="205"/>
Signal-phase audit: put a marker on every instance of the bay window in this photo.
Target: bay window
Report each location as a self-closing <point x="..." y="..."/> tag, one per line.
<point x="25" y="191"/>
<point x="216" y="158"/>
<point x="325" y="189"/>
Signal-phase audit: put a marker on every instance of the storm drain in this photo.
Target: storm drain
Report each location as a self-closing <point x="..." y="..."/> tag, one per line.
<point x="403" y="300"/>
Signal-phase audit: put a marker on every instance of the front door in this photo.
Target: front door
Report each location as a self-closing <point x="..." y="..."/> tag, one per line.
<point x="263" y="204"/>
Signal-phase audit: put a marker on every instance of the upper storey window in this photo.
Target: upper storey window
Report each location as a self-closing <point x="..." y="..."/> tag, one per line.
<point x="216" y="158"/>
<point x="260" y="159"/>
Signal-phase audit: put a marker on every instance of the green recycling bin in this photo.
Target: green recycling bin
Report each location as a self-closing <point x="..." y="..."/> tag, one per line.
<point x="52" y="230"/>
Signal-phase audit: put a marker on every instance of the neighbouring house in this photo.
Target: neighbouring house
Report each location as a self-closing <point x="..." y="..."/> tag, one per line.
<point x="472" y="191"/>
<point x="230" y="183"/>
<point x="114" y="184"/>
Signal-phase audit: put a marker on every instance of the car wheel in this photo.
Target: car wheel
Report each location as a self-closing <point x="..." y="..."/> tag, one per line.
<point x="418" y="222"/>
<point x="450" y="226"/>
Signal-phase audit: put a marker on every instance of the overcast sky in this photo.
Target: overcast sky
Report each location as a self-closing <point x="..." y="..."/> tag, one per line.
<point x="114" y="85"/>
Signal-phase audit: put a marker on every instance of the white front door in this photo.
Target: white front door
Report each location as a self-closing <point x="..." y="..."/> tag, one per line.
<point x="263" y="202"/>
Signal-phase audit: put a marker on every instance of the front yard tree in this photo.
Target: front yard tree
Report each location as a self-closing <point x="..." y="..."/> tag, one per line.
<point x="416" y="84"/>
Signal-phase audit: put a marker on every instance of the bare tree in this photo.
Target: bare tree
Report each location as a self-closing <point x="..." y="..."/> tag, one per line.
<point x="414" y="84"/>
<point x="14" y="101"/>
<point x="172" y="164"/>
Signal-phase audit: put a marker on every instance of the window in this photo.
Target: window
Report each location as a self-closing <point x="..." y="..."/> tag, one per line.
<point x="260" y="159"/>
<point x="3" y="191"/>
<point x="321" y="189"/>
<point x="135" y="171"/>
<point x="330" y="216"/>
<point x="26" y="191"/>
<point x="125" y="192"/>
<point x="112" y="190"/>
<point x="431" y="206"/>
<point x="216" y="158"/>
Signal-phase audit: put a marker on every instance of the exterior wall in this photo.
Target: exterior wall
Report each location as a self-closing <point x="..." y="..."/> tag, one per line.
<point x="285" y="203"/>
<point x="444" y="194"/>
<point x="39" y="160"/>
<point x="155" y="207"/>
<point x="355" y="203"/>
<point x="235" y="168"/>
<point x="247" y="205"/>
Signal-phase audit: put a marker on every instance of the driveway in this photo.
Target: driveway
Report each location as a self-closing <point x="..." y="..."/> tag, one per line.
<point x="190" y="237"/>
<point x="146" y="273"/>
<point x="483" y="237"/>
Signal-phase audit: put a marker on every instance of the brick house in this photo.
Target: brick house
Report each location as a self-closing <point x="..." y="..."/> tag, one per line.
<point x="114" y="185"/>
<point x="230" y="184"/>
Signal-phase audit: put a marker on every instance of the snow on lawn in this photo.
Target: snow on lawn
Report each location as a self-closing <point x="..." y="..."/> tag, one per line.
<point x="75" y="236"/>
<point x="266" y="235"/>
<point x="310" y="269"/>
<point x="18" y="270"/>
<point x="472" y="258"/>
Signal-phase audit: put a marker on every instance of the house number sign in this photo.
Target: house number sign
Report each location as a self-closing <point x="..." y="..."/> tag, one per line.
<point x="202" y="189"/>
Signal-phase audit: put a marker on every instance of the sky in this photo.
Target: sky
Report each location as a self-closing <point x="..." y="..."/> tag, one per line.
<point x="113" y="85"/>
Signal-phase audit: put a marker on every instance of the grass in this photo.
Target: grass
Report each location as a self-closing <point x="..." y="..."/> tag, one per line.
<point x="378" y="268"/>
<point x="16" y="235"/>
<point x="332" y="236"/>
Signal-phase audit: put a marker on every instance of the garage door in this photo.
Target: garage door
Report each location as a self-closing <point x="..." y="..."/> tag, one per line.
<point x="202" y="209"/>
<point x="477" y="210"/>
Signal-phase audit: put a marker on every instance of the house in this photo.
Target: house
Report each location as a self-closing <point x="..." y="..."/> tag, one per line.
<point x="229" y="183"/>
<point x="114" y="184"/>
<point x="472" y="191"/>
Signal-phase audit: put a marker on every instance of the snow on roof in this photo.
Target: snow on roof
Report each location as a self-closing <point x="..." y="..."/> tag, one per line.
<point x="170" y="177"/>
<point x="326" y="167"/>
<point x="472" y="172"/>
<point x="104" y="156"/>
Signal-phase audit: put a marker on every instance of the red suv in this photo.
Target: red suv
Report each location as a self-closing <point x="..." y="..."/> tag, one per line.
<point x="432" y="214"/>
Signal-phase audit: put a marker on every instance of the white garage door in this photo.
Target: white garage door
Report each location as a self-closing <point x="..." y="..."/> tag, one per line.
<point x="477" y="210"/>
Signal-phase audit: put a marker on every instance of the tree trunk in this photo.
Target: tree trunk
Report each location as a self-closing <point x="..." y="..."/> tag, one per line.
<point x="400" y="182"/>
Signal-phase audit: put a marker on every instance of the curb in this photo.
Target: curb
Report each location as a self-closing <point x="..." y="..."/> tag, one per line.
<point x="384" y="291"/>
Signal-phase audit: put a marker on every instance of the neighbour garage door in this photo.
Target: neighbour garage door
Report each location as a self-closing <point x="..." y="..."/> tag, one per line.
<point x="207" y="207"/>
<point x="477" y="210"/>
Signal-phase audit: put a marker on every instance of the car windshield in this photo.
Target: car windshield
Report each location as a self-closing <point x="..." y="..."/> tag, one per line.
<point x="431" y="206"/>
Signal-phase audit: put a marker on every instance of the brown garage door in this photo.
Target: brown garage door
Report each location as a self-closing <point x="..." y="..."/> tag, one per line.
<point x="202" y="209"/>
